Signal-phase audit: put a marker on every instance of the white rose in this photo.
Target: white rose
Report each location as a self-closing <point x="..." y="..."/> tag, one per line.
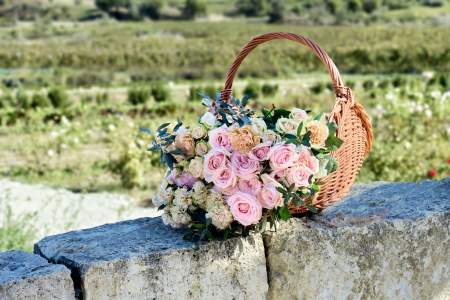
<point x="259" y="125"/>
<point x="198" y="132"/>
<point x="299" y="114"/>
<point x="270" y="136"/>
<point x="286" y="125"/>
<point x="196" y="167"/>
<point x="208" y="119"/>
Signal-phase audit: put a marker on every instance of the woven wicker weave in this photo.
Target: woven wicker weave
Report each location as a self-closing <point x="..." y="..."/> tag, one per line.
<point x="354" y="126"/>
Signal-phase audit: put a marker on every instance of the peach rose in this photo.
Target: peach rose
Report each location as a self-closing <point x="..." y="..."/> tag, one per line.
<point x="243" y="139"/>
<point x="282" y="156"/>
<point x="250" y="186"/>
<point x="185" y="142"/>
<point x="243" y="165"/>
<point x="269" y="197"/>
<point x="307" y="159"/>
<point x="214" y="161"/>
<point x="298" y="176"/>
<point x="245" y="208"/>
<point x="319" y="133"/>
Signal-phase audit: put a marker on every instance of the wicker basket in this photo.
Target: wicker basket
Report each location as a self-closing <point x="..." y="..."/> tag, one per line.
<point x="354" y="126"/>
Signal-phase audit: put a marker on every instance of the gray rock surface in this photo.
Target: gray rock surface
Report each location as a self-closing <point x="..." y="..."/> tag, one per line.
<point x="384" y="241"/>
<point x="29" y="276"/>
<point x="143" y="259"/>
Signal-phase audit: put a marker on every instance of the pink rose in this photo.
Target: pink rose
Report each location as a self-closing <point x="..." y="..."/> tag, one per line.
<point x="243" y="165"/>
<point x="298" y="176"/>
<point x="225" y="178"/>
<point x="215" y="160"/>
<point x="269" y="197"/>
<point x="250" y="186"/>
<point x="219" y="138"/>
<point x="282" y="156"/>
<point x="184" y="179"/>
<point x="261" y="152"/>
<point x="307" y="159"/>
<point x="245" y="208"/>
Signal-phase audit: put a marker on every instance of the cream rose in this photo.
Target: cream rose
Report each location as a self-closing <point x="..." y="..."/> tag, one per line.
<point x="201" y="148"/>
<point x="286" y="125"/>
<point x="299" y="115"/>
<point x="196" y="167"/>
<point x="198" y="132"/>
<point x="270" y="137"/>
<point x="208" y="119"/>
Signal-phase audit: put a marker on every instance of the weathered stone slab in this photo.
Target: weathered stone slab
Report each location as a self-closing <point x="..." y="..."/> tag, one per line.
<point x="143" y="259"/>
<point x="384" y="241"/>
<point x="29" y="276"/>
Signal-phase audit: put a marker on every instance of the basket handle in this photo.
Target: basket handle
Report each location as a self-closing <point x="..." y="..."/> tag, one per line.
<point x="340" y="89"/>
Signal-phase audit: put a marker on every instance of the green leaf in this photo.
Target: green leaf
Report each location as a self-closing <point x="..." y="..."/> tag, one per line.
<point x="284" y="213"/>
<point x="318" y="117"/>
<point x="331" y="165"/>
<point x="333" y="143"/>
<point x="315" y="187"/>
<point x="299" y="129"/>
<point x="306" y="139"/>
<point x="163" y="125"/>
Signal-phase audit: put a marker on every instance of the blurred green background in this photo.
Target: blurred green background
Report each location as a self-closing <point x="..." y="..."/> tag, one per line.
<point x="80" y="77"/>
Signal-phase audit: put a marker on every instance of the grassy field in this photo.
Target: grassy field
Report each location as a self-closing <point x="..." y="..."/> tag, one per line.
<point x="74" y="95"/>
<point x="98" y="64"/>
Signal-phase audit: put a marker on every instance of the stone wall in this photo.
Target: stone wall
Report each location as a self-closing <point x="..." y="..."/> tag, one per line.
<point x="384" y="241"/>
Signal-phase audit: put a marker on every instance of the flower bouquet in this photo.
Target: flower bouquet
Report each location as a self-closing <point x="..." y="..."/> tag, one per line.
<point x="236" y="171"/>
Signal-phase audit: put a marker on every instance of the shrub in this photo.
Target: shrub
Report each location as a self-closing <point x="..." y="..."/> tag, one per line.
<point x="194" y="8"/>
<point x="368" y="84"/>
<point x="58" y="97"/>
<point x="252" y="8"/>
<point x="129" y="167"/>
<point x="276" y="12"/>
<point x="252" y="89"/>
<point x="151" y="9"/>
<point x="138" y="95"/>
<point x="39" y="100"/>
<point x="318" y="88"/>
<point x="23" y="100"/>
<point x="160" y="92"/>
<point x="269" y="89"/>
<point x="354" y="5"/>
